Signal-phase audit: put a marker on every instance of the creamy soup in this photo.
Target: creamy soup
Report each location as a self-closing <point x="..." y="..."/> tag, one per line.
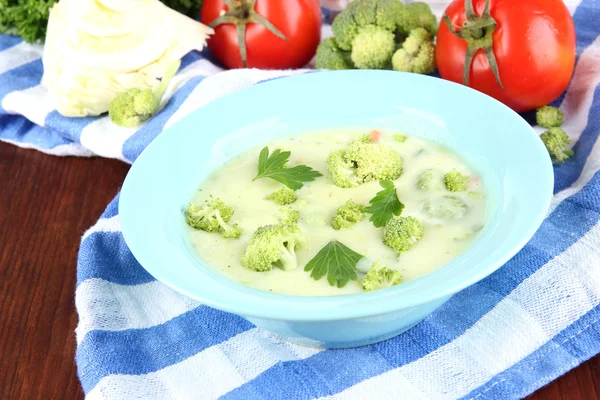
<point x="443" y="239"/>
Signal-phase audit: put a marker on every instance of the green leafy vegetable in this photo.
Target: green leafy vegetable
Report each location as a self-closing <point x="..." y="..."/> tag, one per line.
<point x="273" y="167"/>
<point x="384" y="205"/>
<point x="336" y="261"/>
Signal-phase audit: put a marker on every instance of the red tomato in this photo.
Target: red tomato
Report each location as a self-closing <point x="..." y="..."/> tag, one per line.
<point x="298" y="20"/>
<point x="533" y="43"/>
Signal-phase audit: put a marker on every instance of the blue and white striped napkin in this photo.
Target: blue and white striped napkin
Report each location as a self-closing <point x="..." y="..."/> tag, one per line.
<point x="503" y="338"/>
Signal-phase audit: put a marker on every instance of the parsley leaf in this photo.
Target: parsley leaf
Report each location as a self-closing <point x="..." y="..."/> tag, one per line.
<point x="273" y="167"/>
<point x="384" y="205"/>
<point x="336" y="261"/>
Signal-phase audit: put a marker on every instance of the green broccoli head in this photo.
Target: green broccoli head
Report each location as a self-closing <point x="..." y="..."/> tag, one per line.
<point x="374" y="161"/>
<point x="380" y="277"/>
<point x="212" y="216"/>
<point x="417" y="54"/>
<point x="549" y="117"/>
<point x="288" y="215"/>
<point x="556" y="141"/>
<point x="455" y="181"/>
<point x="416" y="15"/>
<point x="446" y="207"/>
<point x="283" y="196"/>
<point x="400" y="138"/>
<point x="401" y="233"/>
<point x="342" y="170"/>
<point x="134" y="106"/>
<point x="360" y="13"/>
<point x="372" y="48"/>
<point x="347" y="215"/>
<point x="330" y="56"/>
<point x="363" y="161"/>
<point x="273" y="245"/>
<point x="425" y="180"/>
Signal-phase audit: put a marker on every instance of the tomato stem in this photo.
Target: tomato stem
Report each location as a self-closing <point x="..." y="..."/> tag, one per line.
<point x="241" y="13"/>
<point x="477" y="31"/>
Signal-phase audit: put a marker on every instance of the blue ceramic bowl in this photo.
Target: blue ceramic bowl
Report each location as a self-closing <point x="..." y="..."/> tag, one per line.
<point x="510" y="158"/>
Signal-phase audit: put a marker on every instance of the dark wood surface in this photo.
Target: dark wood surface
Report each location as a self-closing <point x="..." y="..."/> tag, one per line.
<point x="46" y="204"/>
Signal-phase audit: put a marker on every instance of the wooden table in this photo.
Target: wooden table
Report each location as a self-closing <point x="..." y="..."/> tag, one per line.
<point x="46" y="203"/>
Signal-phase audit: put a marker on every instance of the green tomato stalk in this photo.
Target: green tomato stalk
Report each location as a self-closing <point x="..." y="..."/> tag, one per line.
<point x="241" y="13"/>
<point x="477" y="31"/>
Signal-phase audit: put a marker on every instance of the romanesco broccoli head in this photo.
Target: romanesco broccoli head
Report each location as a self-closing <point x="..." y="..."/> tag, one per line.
<point x="425" y="180"/>
<point x="446" y="207"/>
<point x="556" y="141"/>
<point x="380" y="277"/>
<point x="288" y="215"/>
<point x="360" y="13"/>
<point x="416" y="15"/>
<point x="372" y="48"/>
<point x="374" y="161"/>
<point x="417" y="54"/>
<point x="330" y="56"/>
<point x="132" y="107"/>
<point x="455" y="181"/>
<point x="549" y="117"/>
<point x="347" y="215"/>
<point x="273" y="245"/>
<point x="283" y="196"/>
<point x="401" y="233"/>
<point x="342" y="170"/>
<point x="212" y="216"/>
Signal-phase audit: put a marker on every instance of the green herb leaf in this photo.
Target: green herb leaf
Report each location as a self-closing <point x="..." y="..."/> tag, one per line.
<point x="384" y="205"/>
<point x="273" y="167"/>
<point x="336" y="261"/>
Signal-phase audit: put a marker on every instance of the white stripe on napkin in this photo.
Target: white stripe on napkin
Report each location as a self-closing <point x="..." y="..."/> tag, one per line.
<point x="111" y="224"/>
<point x="62" y="150"/>
<point x="105" y="138"/>
<point x="566" y="287"/>
<point x="33" y="103"/>
<point x="109" y="306"/>
<point x="18" y="55"/>
<point x="208" y="374"/>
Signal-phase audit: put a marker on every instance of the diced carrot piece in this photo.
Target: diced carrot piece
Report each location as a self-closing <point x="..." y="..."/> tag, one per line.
<point x="375" y="136"/>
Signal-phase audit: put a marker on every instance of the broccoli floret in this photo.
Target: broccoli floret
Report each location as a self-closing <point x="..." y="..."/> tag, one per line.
<point x="416" y="15"/>
<point x="360" y="13"/>
<point x="363" y="161"/>
<point x="400" y="138"/>
<point x="417" y="54"/>
<point x="455" y="181"/>
<point x="401" y="233"/>
<point x="374" y="161"/>
<point x="347" y="215"/>
<point x="212" y="216"/>
<point x="445" y="207"/>
<point x="372" y="48"/>
<point x="549" y="117"/>
<point x="330" y="56"/>
<point x="425" y="180"/>
<point x="380" y="277"/>
<point x="273" y="245"/>
<point x="556" y="140"/>
<point x="283" y="196"/>
<point x="134" y="106"/>
<point x="288" y="215"/>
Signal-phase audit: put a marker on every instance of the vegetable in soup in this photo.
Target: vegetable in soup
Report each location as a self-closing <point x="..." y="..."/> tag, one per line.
<point x="336" y="212"/>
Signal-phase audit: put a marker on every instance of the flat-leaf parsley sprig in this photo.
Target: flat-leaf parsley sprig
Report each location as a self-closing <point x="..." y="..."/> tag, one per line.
<point x="384" y="205"/>
<point x="273" y="167"/>
<point x="337" y="261"/>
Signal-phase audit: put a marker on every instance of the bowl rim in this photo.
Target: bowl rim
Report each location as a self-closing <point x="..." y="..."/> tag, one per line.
<point x="279" y="306"/>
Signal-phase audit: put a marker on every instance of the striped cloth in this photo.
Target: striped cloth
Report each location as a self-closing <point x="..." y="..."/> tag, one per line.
<point x="502" y="338"/>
